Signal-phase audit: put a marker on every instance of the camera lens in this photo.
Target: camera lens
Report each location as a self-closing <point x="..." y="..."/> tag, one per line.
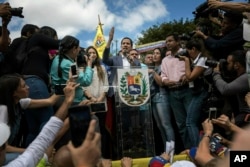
<point x="17" y="12"/>
<point x="211" y="63"/>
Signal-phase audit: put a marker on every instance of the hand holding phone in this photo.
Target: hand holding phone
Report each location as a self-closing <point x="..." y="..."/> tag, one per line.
<point x="212" y="113"/>
<point x="79" y="119"/>
<point x="73" y="68"/>
<point x="59" y="89"/>
<point x="98" y="107"/>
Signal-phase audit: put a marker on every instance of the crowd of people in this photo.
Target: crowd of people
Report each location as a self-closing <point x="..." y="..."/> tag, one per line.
<point x="199" y="90"/>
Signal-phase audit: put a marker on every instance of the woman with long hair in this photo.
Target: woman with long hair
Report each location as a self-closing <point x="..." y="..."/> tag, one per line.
<point x="60" y="70"/>
<point x="14" y="95"/>
<point x="96" y="93"/>
<point x="160" y="100"/>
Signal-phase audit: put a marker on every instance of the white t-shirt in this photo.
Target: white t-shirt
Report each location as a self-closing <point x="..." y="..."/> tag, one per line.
<point x="25" y="103"/>
<point x="3" y="114"/>
<point x="201" y="62"/>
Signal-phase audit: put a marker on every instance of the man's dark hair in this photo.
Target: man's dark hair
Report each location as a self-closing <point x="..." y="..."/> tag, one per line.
<point x="28" y="28"/>
<point x="239" y="56"/>
<point x="236" y="18"/>
<point x="48" y="31"/>
<point x="194" y="43"/>
<point x="128" y="39"/>
<point x="175" y="36"/>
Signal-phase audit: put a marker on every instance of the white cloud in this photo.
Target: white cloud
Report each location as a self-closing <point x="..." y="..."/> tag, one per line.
<point x="81" y="16"/>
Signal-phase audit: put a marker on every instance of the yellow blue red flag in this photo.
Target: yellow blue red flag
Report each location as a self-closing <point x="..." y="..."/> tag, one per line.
<point x="99" y="41"/>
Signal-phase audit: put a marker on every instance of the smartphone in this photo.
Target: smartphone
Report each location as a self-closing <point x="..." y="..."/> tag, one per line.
<point x="74" y="70"/>
<point x="79" y="119"/>
<point x="98" y="107"/>
<point x="59" y="89"/>
<point x="212" y="113"/>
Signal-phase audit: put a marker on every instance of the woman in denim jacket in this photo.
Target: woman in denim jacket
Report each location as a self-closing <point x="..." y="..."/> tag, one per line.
<point x="159" y="99"/>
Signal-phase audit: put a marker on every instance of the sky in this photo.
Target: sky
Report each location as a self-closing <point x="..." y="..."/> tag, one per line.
<point x="79" y="18"/>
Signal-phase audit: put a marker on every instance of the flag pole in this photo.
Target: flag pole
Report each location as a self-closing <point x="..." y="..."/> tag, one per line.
<point x="99" y="23"/>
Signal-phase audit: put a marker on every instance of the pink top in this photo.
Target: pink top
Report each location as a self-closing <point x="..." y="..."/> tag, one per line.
<point x="172" y="68"/>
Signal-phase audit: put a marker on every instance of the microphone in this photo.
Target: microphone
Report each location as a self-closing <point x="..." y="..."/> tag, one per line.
<point x="125" y="53"/>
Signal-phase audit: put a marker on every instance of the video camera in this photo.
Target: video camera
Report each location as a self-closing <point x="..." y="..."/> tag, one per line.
<point x="17" y="12"/>
<point x="203" y="10"/>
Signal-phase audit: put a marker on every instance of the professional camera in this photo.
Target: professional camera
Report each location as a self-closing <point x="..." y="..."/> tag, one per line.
<point x="17" y="12"/>
<point x="226" y="75"/>
<point x="203" y="11"/>
<point x="213" y="63"/>
<point x="184" y="52"/>
<point x="186" y="36"/>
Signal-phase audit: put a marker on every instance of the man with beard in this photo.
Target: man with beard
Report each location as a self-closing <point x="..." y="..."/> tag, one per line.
<point x="236" y="63"/>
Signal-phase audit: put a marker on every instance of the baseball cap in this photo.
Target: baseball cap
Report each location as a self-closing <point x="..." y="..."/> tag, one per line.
<point x="4" y="133"/>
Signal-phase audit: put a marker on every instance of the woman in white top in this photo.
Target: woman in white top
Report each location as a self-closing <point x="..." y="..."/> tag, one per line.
<point x="96" y="93"/>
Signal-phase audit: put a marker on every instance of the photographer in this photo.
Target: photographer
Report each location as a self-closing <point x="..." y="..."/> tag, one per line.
<point x="239" y="87"/>
<point x="230" y="40"/>
<point x="4" y="34"/>
<point x="195" y="69"/>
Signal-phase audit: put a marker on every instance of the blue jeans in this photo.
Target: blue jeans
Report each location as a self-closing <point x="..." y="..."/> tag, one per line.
<point x="10" y="157"/>
<point x="38" y="117"/>
<point x="194" y="116"/>
<point x="179" y="102"/>
<point x="162" y="114"/>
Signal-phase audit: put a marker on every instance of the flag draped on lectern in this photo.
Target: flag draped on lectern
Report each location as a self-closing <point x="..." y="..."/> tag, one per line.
<point x="99" y="40"/>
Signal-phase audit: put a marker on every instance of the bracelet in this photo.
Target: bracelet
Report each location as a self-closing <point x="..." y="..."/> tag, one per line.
<point x="207" y="136"/>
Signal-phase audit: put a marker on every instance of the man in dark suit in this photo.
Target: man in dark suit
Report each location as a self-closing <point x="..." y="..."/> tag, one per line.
<point x="121" y="60"/>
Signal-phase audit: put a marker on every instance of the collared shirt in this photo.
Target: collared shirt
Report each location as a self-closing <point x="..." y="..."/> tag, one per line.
<point x="172" y="68"/>
<point x="125" y="62"/>
<point x="126" y="65"/>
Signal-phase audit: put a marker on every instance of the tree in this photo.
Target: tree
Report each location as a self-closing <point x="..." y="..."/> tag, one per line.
<point x="159" y="32"/>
